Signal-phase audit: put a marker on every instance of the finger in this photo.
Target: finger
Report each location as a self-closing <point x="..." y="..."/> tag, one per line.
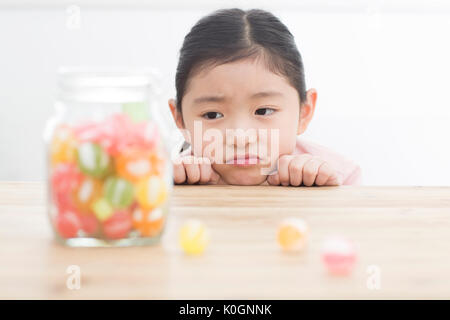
<point x="324" y="173"/>
<point x="296" y="169"/>
<point x="215" y="177"/>
<point x="205" y="170"/>
<point x="334" y="180"/>
<point x="273" y="179"/>
<point x="310" y="170"/>
<point x="192" y="170"/>
<point x="179" y="173"/>
<point x="283" y="169"/>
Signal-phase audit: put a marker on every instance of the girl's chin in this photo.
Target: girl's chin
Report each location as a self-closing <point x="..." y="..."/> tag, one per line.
<point x="243" y="178"/>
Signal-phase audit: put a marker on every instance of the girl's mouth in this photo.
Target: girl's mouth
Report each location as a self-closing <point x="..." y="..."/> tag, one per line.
<point x="242" y="161"/>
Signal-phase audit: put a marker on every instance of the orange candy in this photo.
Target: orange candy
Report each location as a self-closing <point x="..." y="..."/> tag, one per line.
<point x="86" y="193"/>
<point x="135" y="164"/>
<point x="148" y="222"/>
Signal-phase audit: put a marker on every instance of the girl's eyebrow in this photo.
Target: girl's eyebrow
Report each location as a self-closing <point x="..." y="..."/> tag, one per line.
<point x="221" y="98"/>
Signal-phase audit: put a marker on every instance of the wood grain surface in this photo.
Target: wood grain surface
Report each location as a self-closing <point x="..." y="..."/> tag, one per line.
<point x="403" y="231"/>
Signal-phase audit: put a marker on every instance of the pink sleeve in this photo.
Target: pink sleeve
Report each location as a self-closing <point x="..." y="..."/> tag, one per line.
<point x="349" y="172"/>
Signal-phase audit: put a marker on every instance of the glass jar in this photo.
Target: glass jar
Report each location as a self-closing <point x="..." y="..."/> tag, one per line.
<point x="109" y="173"/>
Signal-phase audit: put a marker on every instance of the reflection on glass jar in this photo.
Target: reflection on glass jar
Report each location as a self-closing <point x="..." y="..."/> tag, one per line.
<point x="109" y="171"/>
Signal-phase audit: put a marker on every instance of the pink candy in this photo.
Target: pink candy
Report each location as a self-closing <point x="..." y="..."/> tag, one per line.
<point x="338" y="255"/>
<point x="117" y="133"/>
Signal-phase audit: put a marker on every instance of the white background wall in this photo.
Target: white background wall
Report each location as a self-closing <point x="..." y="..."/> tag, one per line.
<point x="381" y="71"/>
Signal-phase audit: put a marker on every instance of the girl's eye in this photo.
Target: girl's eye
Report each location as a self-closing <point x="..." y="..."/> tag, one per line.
<point x="264" y="111"/>
<point x="212" y="115"/>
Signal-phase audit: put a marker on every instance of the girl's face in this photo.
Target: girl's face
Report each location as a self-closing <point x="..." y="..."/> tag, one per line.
<point x="242" y="101"/>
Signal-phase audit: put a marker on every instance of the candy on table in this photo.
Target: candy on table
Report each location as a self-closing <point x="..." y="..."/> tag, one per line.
<point x="85" y="194"/>
<point x="64" y="179"/>
<point x="194" y="237"/>
<point x="102" y="209"/>
<point x="62" y="147"/>
<point x="68" y="224"/>
<point x="119" y="192"/>
<point x="292" y="234"/>
<point x="118" y="225"/>
<point x="151" y="192"/>
<point x="93" y="160"/>
<point x="148" y="222"/>
<point x="135" y="164"/>
<point x="338" y="255"/>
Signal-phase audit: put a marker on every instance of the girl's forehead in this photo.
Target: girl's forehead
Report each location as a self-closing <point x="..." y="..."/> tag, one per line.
<point x="243" y="76"/>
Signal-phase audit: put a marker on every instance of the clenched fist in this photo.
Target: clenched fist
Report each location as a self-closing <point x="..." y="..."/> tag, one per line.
<point x="194" y="170"/>
<point x="304" y="169"/>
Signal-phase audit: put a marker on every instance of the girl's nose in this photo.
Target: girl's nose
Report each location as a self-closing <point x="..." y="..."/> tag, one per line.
<point x="240" y="137"/>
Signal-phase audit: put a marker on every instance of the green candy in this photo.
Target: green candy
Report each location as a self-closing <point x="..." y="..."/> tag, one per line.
<point x="93" y="160"/>
<point x="119" y="192"/>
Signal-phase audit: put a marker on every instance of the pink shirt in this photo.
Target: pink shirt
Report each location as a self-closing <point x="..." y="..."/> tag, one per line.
<point x="348" y="171"/>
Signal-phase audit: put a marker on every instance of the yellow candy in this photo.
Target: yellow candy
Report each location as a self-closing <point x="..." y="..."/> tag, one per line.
<point x="151" y="192"/>
<point x="62" y="148"/>
<point x="194" y="237"/>
<point x="102" y="209"/>
<point x="292" y="234"/>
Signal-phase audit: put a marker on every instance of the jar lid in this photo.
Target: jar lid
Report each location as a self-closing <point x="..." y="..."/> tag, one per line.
<point x="107" y="85"/>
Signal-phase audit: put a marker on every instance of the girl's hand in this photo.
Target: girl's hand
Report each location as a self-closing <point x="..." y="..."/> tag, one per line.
<point x="303" y="169"/>
<point x="194" y="170"/>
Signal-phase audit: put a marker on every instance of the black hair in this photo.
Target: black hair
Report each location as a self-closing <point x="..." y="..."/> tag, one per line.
<point x="228" y="35"/>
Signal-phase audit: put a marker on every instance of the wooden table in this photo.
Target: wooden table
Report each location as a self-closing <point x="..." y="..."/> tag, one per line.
<point x="403" y="231"/>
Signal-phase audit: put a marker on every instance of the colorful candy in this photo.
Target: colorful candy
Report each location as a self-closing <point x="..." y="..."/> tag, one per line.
<point x="194" y="237"/>
<point x="119" y="133"/>
<point x="151" y="192"/>
<point x="148" y="222"/>
<point x="118" y="225"/>
<point x="93" y="160"/>
<point x="86" y="193"/>
<point x="119" y="192"/>
<point x="292" y="234"/>
<point x="338" y="255"/>
<point x="107" y="179"/>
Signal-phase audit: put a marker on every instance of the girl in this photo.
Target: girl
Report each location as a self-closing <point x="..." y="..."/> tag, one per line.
<point x="241" y="72"/>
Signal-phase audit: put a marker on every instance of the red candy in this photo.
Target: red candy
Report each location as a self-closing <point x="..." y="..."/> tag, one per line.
<point x="64" y="179"/>
<point x="89" y="224"/>
<point x="118" y="225"/>
<point x="68" y="224"/>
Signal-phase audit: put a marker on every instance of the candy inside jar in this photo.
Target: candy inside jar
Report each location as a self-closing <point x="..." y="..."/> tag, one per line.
<point x="109" y="175"/>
